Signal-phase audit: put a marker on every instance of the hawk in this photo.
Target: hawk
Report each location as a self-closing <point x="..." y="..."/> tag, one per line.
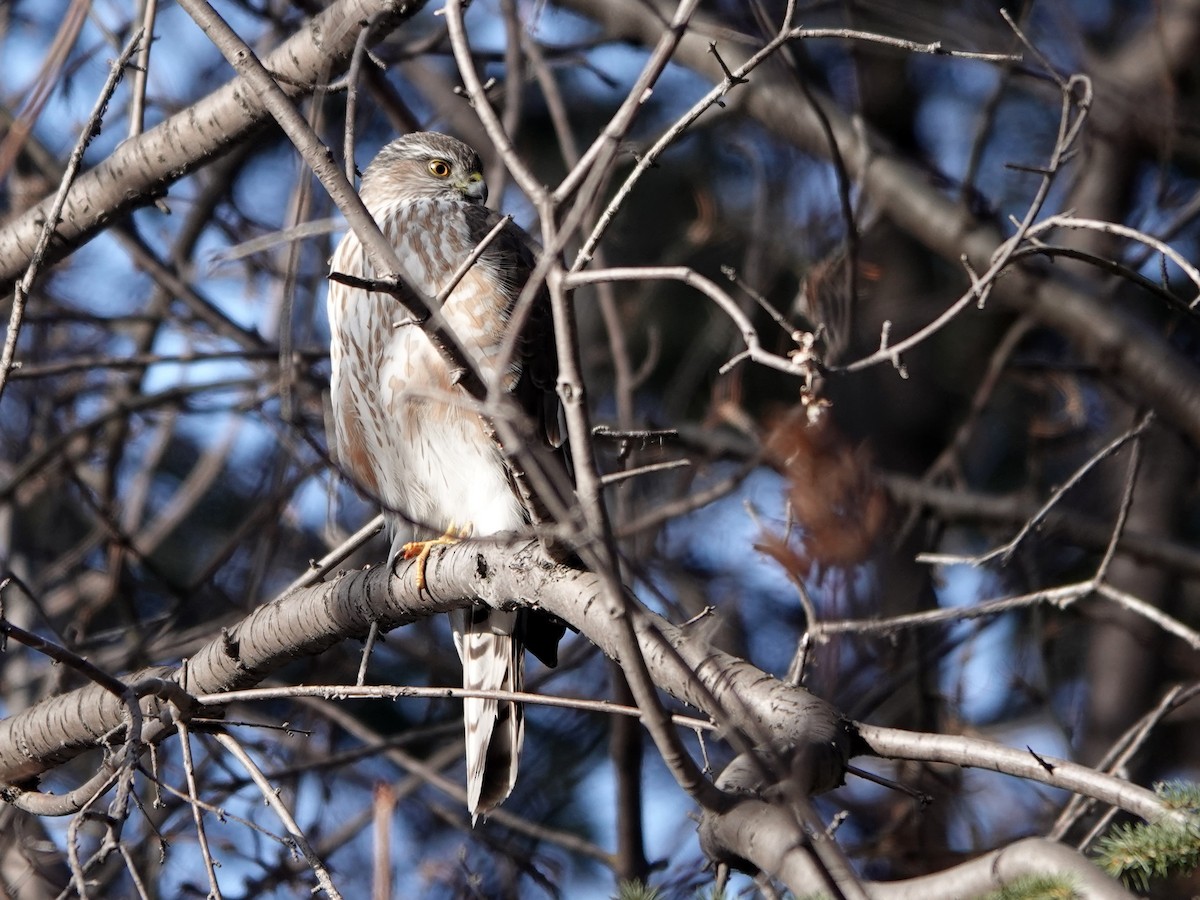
<point x="409" y="436"/>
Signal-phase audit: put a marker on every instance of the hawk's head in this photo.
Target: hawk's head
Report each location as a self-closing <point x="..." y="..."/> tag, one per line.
<point x="426" y="165"/>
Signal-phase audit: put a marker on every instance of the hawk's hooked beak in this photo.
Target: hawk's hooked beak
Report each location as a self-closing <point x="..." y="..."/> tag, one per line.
<point x="474" y="187"/>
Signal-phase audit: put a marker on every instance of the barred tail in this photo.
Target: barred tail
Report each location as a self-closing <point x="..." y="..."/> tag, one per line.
<point x="492" y="659"/>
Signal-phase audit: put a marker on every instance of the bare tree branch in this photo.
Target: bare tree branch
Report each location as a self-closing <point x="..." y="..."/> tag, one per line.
<point x="1122" y="344"/>
<point x="141" y="169"/>
<point x="309" y="620"/>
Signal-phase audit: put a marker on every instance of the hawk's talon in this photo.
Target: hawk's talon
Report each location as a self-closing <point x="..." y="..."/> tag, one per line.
<point x="419" y="550"/>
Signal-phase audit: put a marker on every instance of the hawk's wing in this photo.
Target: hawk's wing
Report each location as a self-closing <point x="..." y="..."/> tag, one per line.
<point x="511" y="258"/>
<point x="536" y="390"/>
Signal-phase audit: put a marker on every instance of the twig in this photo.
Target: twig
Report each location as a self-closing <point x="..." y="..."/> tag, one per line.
<point x="649" y="158"/>
<point x="754" y="349"/>
<point x="361" y="52"/>
<point x="428" y="773"/>
<point x="1150" y="612"/>
<point x="368" y="647"/>
<point x="1005" y="551"/>
<point x="141" y="72"/>
<point x="648" y="469"/>
<point x="958" y="505"/>
<point x="1066" y="221"/>
<point x="272" y="799"/>
<point x="935" y="48"/>
<point x="185" y="744"/>
<point x="319" y="568"/>
<point x="1131" y="476"/>
<point x="1123" y="750"/>
<point x="598" y="157"/>
<point x="60" y="654"/>
<point x="90" y="130"/>
<point x="395" y="692"/>
<point x="981" y="286"/>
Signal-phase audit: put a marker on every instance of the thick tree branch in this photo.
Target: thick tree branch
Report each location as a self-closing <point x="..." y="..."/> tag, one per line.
<point x="958" y="750"/>
<point x="307" y="621"/>
<point x="141" y="169"/>
<point x="768" y="835"/>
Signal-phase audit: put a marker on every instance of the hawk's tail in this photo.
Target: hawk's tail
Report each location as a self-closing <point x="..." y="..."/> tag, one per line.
<point x="492" y="659"/>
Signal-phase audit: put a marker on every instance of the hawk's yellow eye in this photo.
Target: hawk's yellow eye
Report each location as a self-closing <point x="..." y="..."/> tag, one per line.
<point x="439" y="168"/>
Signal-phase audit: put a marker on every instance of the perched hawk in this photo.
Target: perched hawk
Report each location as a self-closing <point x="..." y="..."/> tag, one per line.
<point x="404" y="430"/>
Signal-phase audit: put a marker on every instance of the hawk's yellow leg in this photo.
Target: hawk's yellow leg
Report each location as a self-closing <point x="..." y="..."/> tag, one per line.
<point x="419" y="550"/>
